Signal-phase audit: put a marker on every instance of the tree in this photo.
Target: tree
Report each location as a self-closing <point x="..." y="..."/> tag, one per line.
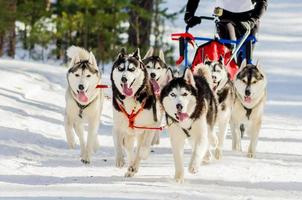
<point x="140" y="23"/>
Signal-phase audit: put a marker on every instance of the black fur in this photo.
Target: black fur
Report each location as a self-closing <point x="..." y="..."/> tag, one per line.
<point x="203" y="92"/>
<point x="154" y="60"/>
<point x="83" y="64"/>
<point x="144" y="93"/>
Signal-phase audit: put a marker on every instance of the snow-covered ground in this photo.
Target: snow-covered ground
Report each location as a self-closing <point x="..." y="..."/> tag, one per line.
<point x="35" y="162"/>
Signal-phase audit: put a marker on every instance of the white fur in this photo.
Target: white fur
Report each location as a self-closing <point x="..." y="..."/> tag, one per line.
<point x="201" y="134"/>
<point x="219" y="80"/>
<point x="253" y="124"/>
<point x="124" y="137"/>
<point x="91" y="114"/>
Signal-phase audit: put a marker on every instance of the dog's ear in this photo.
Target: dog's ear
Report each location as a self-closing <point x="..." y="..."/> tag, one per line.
<point x="169" y="75"/>
<point x="136" y="54"/>
<point x="161" y="55"/>
<point x="243" y="64"/>
<point x="206" y="60"/>
<point x="92" y="60"/>
<point x="149" y="53"/>
<point x="122" y="53"/>
<point x="221" y="60"/>
<point x="189" y="77"/>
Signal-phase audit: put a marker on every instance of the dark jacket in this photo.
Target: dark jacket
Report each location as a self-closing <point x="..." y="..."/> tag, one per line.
<point x="254" y="15"/>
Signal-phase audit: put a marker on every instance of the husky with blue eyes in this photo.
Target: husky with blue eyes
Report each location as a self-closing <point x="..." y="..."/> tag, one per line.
<point x="134" y="119"/>
<point x="191" y="111"/>
<point x="84" y="101"/>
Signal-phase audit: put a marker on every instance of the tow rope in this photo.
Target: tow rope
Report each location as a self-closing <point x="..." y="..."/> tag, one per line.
<point x="131" y="118"/>
<point x="102" y="86"/>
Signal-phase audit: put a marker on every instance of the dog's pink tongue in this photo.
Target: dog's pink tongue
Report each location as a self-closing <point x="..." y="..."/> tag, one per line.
<point x="127" y="91"/>
<point x="182" y="116"/>
<point x="82" y="97"/>
<point x="155" y="85"/>
<point x="247" y="99"/>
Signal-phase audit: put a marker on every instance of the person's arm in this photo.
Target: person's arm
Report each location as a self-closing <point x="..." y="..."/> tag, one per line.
<point x="259" y="9"/>
<point x="191" y="8"/>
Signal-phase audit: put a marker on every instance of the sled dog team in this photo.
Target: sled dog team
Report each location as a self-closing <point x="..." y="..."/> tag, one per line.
<point x="145" y="92"/>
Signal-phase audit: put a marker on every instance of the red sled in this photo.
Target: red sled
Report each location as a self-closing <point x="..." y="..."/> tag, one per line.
<point x="213" y="50"/>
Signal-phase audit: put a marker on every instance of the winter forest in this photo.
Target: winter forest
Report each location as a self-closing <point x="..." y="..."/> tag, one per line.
<point x="43" y="30"/>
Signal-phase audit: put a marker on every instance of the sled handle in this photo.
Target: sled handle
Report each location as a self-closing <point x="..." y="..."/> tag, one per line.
<point x="242" y="41"/>
<point x="202" y="17"/>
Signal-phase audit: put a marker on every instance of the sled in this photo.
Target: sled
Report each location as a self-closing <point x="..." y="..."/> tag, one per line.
<point x="212" y="49"/>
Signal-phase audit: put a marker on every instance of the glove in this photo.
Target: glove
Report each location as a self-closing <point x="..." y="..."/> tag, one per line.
<point x="191" y="21"/>
<point x="249" y="24"/>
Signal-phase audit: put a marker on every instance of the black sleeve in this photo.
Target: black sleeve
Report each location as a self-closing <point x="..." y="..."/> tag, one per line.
<point x="259" y="9"/>
<point x="191" y="8"/>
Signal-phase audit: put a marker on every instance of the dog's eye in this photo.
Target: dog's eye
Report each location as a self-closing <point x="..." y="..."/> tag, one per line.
<point x="148" y="66"/>
<point x="244" y="81"/>
<point x="131" y="69"/>
<point x="88" y="75"/>
<point x="173" y="94"/>
<point x="254" y="82"/>
<point x="120" y="68"/>
<point x="158" y="68"/>
<point x="185" y="94"/>
<point x="77" y="75"/>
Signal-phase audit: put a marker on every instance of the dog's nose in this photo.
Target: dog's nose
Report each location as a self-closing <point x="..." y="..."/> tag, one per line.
<point x="81" y="87"/>
<point x="179" y="107"/>
<point x="247" y="91"/>
<point x="124" y="79"/>
<point x="153" y="75"/>
<point x="214" y="78"/>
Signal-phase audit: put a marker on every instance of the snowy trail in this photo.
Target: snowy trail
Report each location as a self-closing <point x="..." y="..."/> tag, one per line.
<point x="35" y="162"/>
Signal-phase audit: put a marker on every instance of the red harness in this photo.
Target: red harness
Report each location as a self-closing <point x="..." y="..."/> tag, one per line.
<point x="102" y="86"/>
<point x="131" y="118"/>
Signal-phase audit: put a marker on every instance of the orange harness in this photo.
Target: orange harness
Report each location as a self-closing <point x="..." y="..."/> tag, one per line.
<point x="131" y="118"/>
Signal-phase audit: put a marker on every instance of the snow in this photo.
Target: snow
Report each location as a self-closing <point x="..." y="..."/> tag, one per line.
<point x="35" y="162"/>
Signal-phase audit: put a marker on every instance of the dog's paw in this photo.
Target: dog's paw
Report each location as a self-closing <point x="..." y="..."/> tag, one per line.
<point x="131" y="171"/>
<point x="119" y="163"/>
<point x="84" y="161"/>
<point x="218" y="154"/>
<point x="250" y="155"/>
<point x="179" y="180"/>
<point x="193" y="169"/>
<point x="207" y="158"/>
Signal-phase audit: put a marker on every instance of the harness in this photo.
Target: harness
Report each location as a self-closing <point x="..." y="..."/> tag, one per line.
<point x="186" y="131"/>
<point x="83" y="107"/>
<point x="132" y="116"/>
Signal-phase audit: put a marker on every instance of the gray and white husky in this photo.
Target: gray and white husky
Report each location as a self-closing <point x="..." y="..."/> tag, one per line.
<point x="250" y="88"/>
<point x="223" y="88"/>
<point x="83" y="101"/>
<point x="157" y="71"/>
<point x="133" y="117"/>
<point x="191" y="111"/>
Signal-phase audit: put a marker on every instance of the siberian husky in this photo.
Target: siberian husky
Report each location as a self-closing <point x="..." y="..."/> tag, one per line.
<point x="250" y="88"/>
<point x="191" y="111"/>
<point x="83" y="101"/>
<point x="223" y="88"/>
<point x="157" y="70"/>
<point x="133" y="117"/>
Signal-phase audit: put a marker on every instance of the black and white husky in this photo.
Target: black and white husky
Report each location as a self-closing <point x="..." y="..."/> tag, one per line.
<point x="157" y="71"/>
<point x="223" y="88"/>
<point x="83" y="101"/>
<point x="133" y="116"/>
<point x="250" y="88"/>
<point x="191" y="110"/>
